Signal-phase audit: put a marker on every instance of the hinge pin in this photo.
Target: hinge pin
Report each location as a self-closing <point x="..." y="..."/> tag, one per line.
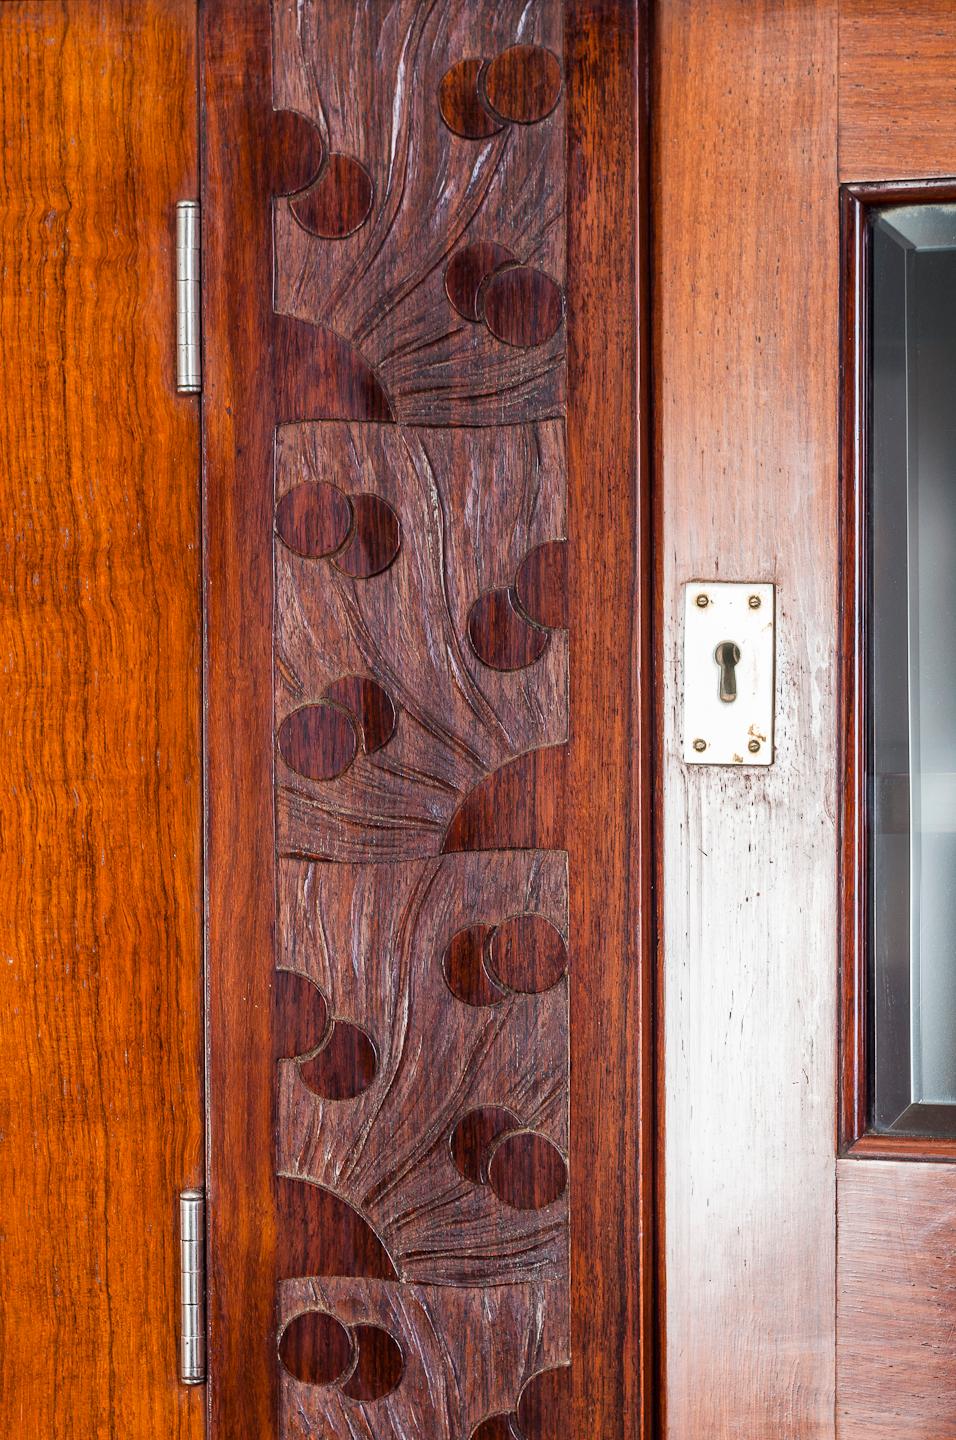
<point x="188" y="358"/>
<point x="192" y="1246"/>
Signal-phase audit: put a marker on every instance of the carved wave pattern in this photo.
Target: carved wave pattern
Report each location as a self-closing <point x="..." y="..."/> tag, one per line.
<point x="471" y="504"/>
<point x="443" y="124"/>
<point x="373" y="939"/>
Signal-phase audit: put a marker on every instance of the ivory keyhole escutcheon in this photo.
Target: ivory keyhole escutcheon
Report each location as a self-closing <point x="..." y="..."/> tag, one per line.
<point x="727" y="656"/>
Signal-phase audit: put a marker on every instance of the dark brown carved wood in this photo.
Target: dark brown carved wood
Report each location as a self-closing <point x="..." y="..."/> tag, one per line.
<point x="391" y="621"/>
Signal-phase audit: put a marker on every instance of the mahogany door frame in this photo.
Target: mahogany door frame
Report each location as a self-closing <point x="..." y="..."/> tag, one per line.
<point x="249" y="365"/>
<point x="855" y="1138"/>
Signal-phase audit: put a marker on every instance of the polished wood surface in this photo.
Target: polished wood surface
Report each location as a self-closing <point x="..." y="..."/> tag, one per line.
<point x="100" y="1046"/>
<point x="896" y="1300"/>
<point x="897" y="107"/>
<point x="746" y="281"/>
<point x="395" y="583"/>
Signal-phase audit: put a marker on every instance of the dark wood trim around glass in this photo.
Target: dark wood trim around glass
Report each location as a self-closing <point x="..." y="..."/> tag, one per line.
<point x="876" y="1119"/>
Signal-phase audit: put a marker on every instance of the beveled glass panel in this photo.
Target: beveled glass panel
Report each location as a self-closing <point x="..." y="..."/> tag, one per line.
<point x="911" y="630"/>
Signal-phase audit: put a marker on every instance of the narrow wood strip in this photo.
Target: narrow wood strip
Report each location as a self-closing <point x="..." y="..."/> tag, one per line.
<point x="608" y="833"/>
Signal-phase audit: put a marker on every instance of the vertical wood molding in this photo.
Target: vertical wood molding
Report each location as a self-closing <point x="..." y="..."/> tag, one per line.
<point x="609" y="785"/>
<point x="746" y="277"/>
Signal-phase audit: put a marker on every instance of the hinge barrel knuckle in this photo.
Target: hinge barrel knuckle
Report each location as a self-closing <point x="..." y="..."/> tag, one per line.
<point x="192" y="1303"/>
<point x="188" y="351"/>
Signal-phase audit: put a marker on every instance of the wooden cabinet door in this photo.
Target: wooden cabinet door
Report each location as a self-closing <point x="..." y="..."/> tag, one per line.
<point x="810" y="1282"/>
<point x="426" y="720"/>
<point x="100" y="720"/>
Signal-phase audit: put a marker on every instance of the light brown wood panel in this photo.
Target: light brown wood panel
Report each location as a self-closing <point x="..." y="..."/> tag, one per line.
<point x="100" y="895"/>
<point x="746" y="282"/>
<point x="896" y="1299"/>
<point x="897" y="98"/>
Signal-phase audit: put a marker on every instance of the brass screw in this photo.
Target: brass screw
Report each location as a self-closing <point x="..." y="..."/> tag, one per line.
<point x="754" y="602"/>
<point x="702" y="601"/>
<point x="700" y="744"/>
<point x="753" y="745"/>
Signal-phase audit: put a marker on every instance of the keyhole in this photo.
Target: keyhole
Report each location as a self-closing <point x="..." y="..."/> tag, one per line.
<point x="727" y="656"/>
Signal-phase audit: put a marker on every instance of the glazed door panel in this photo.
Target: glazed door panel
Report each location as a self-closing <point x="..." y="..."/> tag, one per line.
<point x="428" y="939"/>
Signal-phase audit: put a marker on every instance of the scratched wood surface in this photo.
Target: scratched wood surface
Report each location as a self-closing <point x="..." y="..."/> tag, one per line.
<point x="100" y="901"/>
<point x="746" y="275"/>
<point x="390" y="595"/>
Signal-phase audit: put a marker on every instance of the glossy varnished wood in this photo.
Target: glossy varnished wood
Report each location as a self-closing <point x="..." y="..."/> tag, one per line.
<point x="100" y="1050"/>
<point x="897" y="107"/>
<point x="896" y="1299"/>
<point x="610" y="750"/>
<point x="746" y="277"/>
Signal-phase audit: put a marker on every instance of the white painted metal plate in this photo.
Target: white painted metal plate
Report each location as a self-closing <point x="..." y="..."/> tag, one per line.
<point x="728" y="707"/>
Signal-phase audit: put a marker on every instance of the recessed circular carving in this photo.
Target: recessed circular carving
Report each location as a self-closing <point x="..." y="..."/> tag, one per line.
<point x="496" y="1427"/>
<point x="544" y="1409"/>
<point x="523" y="83"/>
<point x="467" y="269"/>
<point x="339" y="202"/>
<point x="301" y="1014"/>
<point x="294" y="152"/>
<point x="313" y="519"/>
<point x="464" y="967"/>
<point x="318" y="741"/>
<point x="473" y="1137"/>
<point x="460" y="104"/>
<point x="369" y="704"/>
<point x="315" y="1348"/>
<point x="541" y="584"/>
<point x="500" y="635"/>
<point x="379" y="1367"/>
<point x="528" y="954"/>
<point x="526" y="1171"/>
<point x="374" y="540"/>
<point x="522" y="306"/>
<point x="344" y="1067"/>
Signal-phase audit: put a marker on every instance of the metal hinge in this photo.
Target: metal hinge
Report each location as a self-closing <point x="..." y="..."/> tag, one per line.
<point x="188" y="353"/>
<point x="192" y="1305"/>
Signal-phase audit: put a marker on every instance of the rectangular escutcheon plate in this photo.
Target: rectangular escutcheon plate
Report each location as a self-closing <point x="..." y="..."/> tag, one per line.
<point x="728" y="673"/>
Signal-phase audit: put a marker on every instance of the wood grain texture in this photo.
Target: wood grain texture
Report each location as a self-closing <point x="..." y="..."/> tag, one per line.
<point x="897" y="103"/>
<point x="610" y="751"/>
<point x="896" y="1297"/>
<point x="373" y="939"/>
<point x="472" y="503"/>
<point x="747" y="361"/>
<point x="370" y="77"/>
<point x="100" y="898"/>
<point x="504" y="1336"/>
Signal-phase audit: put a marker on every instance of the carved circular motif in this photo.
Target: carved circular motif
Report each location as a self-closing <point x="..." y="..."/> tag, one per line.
<point x="314" y="519"/>
<point x="541" y="584"/>
<point x="464" y="966"/>
<point x="473" y="1137"/>
<point x="527" y="954"/>
<point x="522" y="306"/>
<point x="316" y="1349"/>
<point x="500" y="635"/>
<point x="523" y="83"/>
<point x="526" y="1171"/>
<point x="467" y="269"/>
<point x="544" y="1407"/>
<point x="375" y="538"/>
<point x="459" y="102"/>
<point x="318" y="741"/>
<point x="344" y="1067"/>
<point x="339" y="202"/>
<point x="379" y="1366"/>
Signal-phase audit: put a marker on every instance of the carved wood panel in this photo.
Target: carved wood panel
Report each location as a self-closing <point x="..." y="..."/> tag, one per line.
<point x="420" y="657"/>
